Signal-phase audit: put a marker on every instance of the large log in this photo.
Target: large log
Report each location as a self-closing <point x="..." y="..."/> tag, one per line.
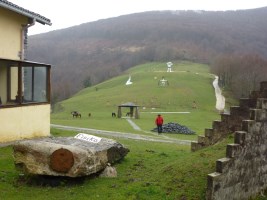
<point x="66" y="156"/>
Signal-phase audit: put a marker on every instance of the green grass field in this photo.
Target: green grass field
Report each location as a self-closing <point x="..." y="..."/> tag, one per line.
<point x="151" y="170"/>
<point x="189" y="82"/>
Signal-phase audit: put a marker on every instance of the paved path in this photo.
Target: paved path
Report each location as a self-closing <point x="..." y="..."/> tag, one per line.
<point x="135" y="127"/>
<point x="220" y="100"/>
<point x="155" y="138"/>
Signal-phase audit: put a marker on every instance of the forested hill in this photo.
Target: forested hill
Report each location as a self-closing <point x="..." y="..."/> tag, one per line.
<point x="92" y="52"/>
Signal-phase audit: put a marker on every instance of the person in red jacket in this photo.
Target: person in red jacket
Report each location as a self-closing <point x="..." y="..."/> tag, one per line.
<point x="159" y="122"/>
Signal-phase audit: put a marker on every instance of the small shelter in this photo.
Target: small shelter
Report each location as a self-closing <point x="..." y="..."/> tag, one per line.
<point x="134" y="111"/>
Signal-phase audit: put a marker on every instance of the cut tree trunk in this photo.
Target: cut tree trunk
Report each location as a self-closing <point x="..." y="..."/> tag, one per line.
<point x="66" y="156"/>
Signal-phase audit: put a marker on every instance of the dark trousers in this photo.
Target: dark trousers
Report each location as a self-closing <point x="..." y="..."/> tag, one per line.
<point x="159" y="128"/>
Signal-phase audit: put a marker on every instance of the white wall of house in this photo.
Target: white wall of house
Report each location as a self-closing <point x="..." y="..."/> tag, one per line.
<point x="24" y="122"/>
<point x="11" y="33"/>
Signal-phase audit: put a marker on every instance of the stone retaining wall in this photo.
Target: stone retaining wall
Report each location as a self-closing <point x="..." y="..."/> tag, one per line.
<point x="243" y="172"/>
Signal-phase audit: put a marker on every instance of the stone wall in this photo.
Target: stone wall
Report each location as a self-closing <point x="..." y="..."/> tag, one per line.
<point x="231" y="122"/>
<point x="243" y="172"/>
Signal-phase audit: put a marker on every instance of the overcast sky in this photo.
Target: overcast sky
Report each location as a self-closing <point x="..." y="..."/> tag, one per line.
<point x="67" y="13"/>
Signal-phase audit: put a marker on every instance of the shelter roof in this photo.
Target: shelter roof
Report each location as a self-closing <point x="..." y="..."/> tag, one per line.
<point x="128" y="104"/>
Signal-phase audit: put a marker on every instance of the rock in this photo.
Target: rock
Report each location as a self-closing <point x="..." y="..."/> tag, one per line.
<point x="174" y="128"/>
<point x="66" y="156"/>
<point x="109" y="171"/>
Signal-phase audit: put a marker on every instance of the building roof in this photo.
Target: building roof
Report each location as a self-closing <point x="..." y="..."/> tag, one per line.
<point x="13" y="7"/>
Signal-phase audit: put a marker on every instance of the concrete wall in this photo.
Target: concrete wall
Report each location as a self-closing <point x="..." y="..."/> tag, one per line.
<point x="24" y="122"/>
<point x="11" y="33"/>
<point x="242" y="174"/>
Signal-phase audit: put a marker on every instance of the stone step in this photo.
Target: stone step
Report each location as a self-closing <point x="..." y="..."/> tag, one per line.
<point x="247" y="103"/>
<point x="254" y="95"/>
<point x="196" y="146"/>
<point x="261" y="103"/>
<point x="239" y="111"/>
<point x="258" y="115"/>
<point x="209" y="132"/>
<point x="232" y="150"/>
<point x="203" y="140"/>
<point x="263" y="86"/>
<point x="248" y="125"/>
<point x="225" y="117"/>
<point x="240" y="137"/>
<point x="219" y="126"/>
<point x="222" y="165"/>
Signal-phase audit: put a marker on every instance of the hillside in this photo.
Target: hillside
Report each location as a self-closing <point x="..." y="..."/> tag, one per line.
<point x="189" y="82"/>
<point x="93" y="52"/>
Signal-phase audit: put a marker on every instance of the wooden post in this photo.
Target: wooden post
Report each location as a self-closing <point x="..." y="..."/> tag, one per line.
<point x="119" y="112"/>
<point x="137" y="113"/>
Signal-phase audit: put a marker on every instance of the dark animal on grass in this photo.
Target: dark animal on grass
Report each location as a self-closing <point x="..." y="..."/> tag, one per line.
<point x="76" y="114"/>
<point x="113" y="114"/>
<point x="89" y="114"/>
<point x="128" y="114"/>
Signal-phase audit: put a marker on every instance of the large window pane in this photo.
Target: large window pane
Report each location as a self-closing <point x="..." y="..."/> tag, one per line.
<point x="28" y="80"/>
<point x="40" y="84"/>
<point x="35" y="84"/>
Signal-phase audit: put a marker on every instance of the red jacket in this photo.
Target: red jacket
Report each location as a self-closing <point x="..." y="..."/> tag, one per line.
<point x="159" y="120"/>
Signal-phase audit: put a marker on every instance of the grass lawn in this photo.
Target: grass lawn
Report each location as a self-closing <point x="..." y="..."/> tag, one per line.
<point x="160" y="171"/>
<point x="189" y="82"/>
<point x="150" y="171"/>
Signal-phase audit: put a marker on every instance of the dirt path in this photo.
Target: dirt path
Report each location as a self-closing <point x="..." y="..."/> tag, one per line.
<point x="155" y="138"/>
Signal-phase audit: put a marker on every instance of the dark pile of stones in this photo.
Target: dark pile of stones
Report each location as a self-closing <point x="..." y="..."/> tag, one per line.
<point x="172" y="127"/>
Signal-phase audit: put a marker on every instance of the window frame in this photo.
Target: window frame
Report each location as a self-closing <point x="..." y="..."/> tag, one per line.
<point x="18" y="101"/>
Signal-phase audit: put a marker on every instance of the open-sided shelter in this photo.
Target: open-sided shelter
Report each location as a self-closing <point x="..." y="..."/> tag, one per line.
<point x="134" y="111"/>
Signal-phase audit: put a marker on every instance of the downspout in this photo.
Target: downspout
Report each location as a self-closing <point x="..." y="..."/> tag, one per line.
<point x="24" y="38"/>
<point x="24" y="41"/>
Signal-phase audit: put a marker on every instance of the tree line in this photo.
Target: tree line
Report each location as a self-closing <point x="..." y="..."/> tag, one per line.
<point x="90" y="53"/>
<point x="240" y="74"/>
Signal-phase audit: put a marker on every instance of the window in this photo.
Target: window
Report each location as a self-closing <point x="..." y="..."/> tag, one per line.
<point x="35" y="84"/>
<point x="24" y="83"/>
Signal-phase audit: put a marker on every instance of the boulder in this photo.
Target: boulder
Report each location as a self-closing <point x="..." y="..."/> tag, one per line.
<point x="77" y="156"/>
<point x="109" y="172"/>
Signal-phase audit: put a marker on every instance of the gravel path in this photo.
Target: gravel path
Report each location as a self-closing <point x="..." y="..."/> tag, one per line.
<point x="154" y="138"/>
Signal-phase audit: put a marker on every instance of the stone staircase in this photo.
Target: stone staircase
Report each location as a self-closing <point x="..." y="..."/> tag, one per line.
<point x="242" y="174"/>
<point x="231" y="122"/>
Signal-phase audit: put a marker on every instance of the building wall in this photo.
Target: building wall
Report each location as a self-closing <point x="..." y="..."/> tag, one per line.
<point x="11" y="33"/>
<point x="24" y="122"/>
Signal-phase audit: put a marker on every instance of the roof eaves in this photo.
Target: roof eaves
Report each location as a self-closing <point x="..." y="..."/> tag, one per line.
<point x="39" y="18"/>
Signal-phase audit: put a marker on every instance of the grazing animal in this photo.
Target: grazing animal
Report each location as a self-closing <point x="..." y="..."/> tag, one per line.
<point x="113" y="114"/>
<point x="76" y="114"/>
<point x="194" y="105"/>
<point x="128" y="114"/>
<point x="89" y="114"/>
